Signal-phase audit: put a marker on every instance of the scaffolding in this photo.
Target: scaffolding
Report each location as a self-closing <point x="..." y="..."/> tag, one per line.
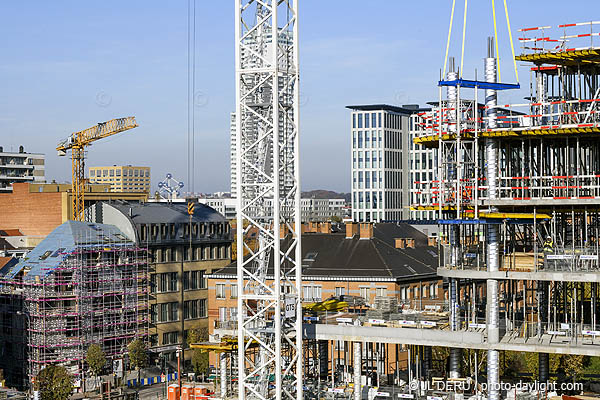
<point x="96" y="294"/>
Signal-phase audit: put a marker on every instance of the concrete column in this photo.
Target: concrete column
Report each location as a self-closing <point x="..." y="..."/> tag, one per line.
<point x="223" y="369"/>
<point x="544" y="367"/>
<point x="357" y="371"/>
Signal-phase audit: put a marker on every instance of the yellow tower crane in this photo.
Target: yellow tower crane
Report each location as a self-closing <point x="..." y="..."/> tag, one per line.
<point x="77" y="143"/>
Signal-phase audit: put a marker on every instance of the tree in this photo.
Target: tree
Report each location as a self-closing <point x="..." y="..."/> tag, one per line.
<point x="54" y="383"/>
<point x="138" y="356"/>
<point x="199" y="356"/>
<point x="95" y="359"/>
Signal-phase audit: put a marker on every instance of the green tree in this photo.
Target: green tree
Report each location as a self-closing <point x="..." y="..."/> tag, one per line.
<point x="138" y="355"/>
<point x="54" y="383"/>
<point x="95" y="359"/>
<point x="199" y="356"/>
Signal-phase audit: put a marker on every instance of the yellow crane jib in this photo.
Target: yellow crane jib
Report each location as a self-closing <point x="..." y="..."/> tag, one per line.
<point x="77" y="143"/>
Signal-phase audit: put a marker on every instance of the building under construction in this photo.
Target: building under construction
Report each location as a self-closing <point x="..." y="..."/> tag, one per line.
<point x="84" y="284"/>
<point x="518" y="200"/>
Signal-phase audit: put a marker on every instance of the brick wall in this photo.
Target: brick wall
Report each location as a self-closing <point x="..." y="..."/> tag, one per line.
<point x="31" y="213"/>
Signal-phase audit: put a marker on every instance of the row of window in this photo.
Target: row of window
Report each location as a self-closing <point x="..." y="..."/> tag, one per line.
<point x="184" y="253"/>
<point x="369" y="120"/>
<point x="220" y="291"/>
<point x="366" y="217"/>
<point x="367" y="180"/>
<point x="367" y="139"/>
<point x="169" y="281"/>
<point x="175" y="231"/>
<point x="169" y="312"/>
<point x="393" y="160"/>
<point x="367" y="159"/>
<point x="425" y="291"/>
<point x="117" y="172"/>
<point x="367" y="200"/>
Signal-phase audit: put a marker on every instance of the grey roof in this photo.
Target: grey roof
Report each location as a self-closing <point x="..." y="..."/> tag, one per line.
<point x="166" y="213"/>
<point x="61" y="242"/>
<point x="409" y="109"/>
<point x="333" y="257"/>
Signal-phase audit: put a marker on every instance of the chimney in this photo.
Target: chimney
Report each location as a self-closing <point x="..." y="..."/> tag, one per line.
<point x="431" y="241"/>
<point x="410" y="243"/>
<point x="351" y="230"/>
<point x="283" y="231"/>
<point x="325" y="227"/>
<point x="313" y="227"/>
<point x="304" y="228"/>
<point x="366" y="230"/>
<point x="400" y="243"/>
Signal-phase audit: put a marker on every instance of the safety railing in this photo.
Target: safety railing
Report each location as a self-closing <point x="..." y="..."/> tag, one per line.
<point x="548" y="258"/>
<point x="553" y="332"/>
<point x="565" y="37"/>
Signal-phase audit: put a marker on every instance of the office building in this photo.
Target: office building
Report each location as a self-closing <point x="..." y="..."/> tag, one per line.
<point x="20" y="167"/>
<point x="232" y="155"/>
<point x="312" y="209"/>
<point x="122" y="178"/>
<point x="381" y="152"/>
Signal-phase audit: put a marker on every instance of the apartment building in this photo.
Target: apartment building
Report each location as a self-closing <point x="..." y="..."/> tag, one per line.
<point x="122" y="178"/>
<point x="20" y="167"/>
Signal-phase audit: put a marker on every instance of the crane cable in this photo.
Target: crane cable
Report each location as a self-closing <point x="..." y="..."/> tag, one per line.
<point x="448" y="42"/>
<point x="462" y="52"/>
<point x="496" y="39"/>
<point x="512" y="47"/>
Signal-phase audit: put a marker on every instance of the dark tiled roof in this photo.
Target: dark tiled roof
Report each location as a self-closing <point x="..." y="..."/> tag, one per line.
<point x="167" y="213"/>
<point x="332" y="256"/>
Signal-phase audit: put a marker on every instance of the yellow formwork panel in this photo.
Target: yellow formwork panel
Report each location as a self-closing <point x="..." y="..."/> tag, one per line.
<point x="569" y="57"/>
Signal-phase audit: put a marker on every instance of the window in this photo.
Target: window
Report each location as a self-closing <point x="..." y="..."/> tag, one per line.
<point x="154" y="313"/>
<point x="153" y="283"/>
<point x="202" y="308"/>
<point x="424" y="291"/>
<point x="234" y="292"/>
<point x="194" y="280"/>
<point x="201" y="280"/>
<point x="186" y="280"/>
<point x="170" y="338"/>
<point x="403" y="293"/>
<point x="153" y="340"/>
<point x="416" y="292"/>
<point x="220" y="290"/>
<point x="92" y="172"/>
<point x="163" y="283"/>
<point x="364" y="291"/>
<point x="381" y="292"/>
<point x="340" y="291"/>
<point x="164" y="312"/>
<point x="112" y="172"/>
<point x="172" y="281"/>
<point x="173" y="311"/>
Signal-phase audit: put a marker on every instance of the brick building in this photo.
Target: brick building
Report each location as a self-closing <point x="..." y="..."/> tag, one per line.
<point x="37" y="209"/>
<point x="376" y="262"/>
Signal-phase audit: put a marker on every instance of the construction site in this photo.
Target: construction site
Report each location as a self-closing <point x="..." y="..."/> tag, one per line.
<point x="516" y="195"/>
<point x="84" y="284"/>
<point x="517" y="201"/>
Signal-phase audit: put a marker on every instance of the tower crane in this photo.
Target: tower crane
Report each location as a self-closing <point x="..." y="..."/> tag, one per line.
<point x="77" y="143"/>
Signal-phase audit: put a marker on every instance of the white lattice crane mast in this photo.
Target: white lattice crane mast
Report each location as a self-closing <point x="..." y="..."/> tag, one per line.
<point x="268" y="187"/>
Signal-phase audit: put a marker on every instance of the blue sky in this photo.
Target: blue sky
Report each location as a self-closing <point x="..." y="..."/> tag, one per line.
<point x="67" y="65"/>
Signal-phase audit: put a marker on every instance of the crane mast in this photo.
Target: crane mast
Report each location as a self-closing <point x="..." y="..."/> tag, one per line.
<point x="268" y="187"/>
